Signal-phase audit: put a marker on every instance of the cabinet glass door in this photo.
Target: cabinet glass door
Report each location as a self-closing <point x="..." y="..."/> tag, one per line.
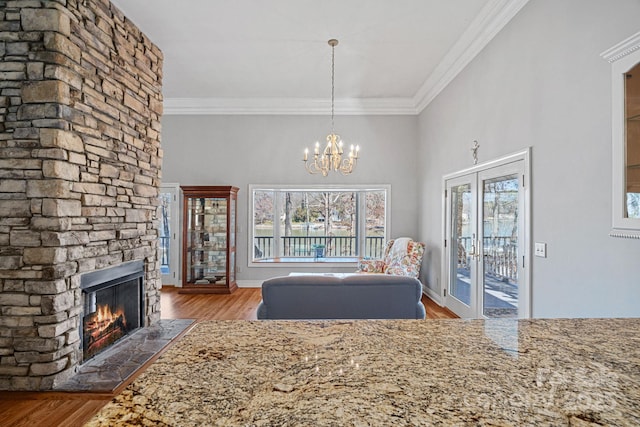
<point x="232" y="240"/>
<point x="207" y="240"/>
<point x="632" y="151"/>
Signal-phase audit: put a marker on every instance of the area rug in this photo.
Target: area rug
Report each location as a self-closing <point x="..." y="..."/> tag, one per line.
<point x="383" y="373"/>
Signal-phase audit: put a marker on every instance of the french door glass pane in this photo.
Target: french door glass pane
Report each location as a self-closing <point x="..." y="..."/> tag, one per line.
<point x="462" y="243"/>
<point x="500" y="246"/>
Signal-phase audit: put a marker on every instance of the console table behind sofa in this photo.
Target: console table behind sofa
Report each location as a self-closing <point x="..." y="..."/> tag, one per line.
<point x="358" y="296"/>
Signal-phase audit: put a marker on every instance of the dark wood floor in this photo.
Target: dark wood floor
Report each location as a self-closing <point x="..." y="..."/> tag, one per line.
<point x="74" y="409"/>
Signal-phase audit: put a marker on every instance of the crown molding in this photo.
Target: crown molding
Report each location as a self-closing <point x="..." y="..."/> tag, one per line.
<point x="491" y="19"/>
<point x="622" y="49"/>
<point x="289" y="106"/>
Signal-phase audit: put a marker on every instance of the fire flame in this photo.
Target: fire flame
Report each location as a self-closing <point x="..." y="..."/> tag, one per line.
<point x="104" y="313"/>
<point x="102" y="328"/>
<point x="104" y="317"/>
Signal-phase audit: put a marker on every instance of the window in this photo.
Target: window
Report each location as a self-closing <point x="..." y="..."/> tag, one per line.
<point x="317" y="224"/>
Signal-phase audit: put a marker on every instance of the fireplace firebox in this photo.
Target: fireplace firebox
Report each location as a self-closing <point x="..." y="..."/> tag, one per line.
<point x="113" y="306"/>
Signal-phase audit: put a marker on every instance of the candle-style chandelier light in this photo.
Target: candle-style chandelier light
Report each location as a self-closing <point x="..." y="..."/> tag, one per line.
<point x="331" y="158"/>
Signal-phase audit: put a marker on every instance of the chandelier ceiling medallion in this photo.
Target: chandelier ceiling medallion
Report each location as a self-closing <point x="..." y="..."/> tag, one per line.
<point x="331" y="158"/>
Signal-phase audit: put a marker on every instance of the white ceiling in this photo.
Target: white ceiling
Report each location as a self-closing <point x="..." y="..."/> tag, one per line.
<point x="272" y="56"/>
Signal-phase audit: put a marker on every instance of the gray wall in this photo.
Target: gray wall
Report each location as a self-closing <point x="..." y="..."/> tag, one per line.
<point x="241" y="150"/>
<point x="541" y="83"/>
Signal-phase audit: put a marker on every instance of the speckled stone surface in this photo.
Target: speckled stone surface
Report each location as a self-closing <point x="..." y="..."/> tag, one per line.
<point x="381" y="373"/>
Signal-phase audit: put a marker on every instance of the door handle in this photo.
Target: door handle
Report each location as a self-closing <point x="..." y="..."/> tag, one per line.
<point x="473" y="254"/>
<point x="475" y="248"/>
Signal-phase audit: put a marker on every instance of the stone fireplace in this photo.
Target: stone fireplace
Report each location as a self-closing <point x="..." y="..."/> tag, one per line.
<point x="80" y="160"/>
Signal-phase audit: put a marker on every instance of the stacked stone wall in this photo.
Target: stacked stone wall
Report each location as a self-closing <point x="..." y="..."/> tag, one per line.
<point x="80" y="161"/>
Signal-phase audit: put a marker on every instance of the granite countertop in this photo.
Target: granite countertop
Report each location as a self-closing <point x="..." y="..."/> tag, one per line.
<point x="401" y="372"/>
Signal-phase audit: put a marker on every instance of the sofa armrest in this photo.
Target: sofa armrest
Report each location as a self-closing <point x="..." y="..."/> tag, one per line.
<point x="421" y="311"/>
<point x="261" y="312"/>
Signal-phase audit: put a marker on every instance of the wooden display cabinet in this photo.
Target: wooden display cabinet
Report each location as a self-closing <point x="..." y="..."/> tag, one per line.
<point x="209" y="239"/>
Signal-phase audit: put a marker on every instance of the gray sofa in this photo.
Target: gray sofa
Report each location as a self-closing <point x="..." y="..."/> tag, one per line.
<point x="358" y="296"/>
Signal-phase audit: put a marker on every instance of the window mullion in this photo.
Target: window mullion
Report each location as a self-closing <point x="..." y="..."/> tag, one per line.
<point x="360" y="223"/>
<point x="277" y="233"/>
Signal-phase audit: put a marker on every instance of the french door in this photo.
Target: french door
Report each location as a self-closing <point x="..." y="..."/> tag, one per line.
<point x="486" y="240"/>
<point x="168" y="234"/>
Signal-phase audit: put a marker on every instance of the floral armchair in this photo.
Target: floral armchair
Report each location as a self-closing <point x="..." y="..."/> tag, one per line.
<point x="402" y="257"/>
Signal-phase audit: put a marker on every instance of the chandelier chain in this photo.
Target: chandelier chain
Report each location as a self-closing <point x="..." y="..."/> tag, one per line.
<point x="333" y="88"/>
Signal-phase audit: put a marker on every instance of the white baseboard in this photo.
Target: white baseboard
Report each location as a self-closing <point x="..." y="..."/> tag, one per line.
<point x="249" y="283"/>
<point x="433" y="295"/>
<point x="240" y="283"/>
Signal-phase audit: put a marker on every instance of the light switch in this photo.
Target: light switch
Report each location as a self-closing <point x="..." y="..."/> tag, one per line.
<point x="541" y="249"/>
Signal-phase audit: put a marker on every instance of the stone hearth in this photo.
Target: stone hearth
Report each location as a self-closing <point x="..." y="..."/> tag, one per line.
<point x="107" y="371"/>
<point x="80" y="160"/>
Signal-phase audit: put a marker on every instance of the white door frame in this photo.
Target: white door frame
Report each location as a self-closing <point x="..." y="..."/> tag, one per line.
<point x="524" y="297"/>
<point x="174" y="277"/>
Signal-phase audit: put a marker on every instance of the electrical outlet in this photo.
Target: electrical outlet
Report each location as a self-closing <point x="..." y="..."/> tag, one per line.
<point x="540" y="250"/>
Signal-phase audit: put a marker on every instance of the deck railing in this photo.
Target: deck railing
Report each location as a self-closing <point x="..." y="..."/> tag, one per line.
<point x="500" y="256"/>
<point x="305" y="246"/>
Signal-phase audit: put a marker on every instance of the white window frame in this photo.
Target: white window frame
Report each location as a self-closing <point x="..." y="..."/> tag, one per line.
<point x="325" y="262"/>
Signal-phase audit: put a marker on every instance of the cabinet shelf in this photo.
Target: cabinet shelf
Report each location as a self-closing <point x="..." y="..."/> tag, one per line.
<point x="224" y="250"/>
<point x="209" y="252"/>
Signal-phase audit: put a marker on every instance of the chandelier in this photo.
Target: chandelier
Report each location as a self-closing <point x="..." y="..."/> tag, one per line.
<point x="331" y="157"/>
